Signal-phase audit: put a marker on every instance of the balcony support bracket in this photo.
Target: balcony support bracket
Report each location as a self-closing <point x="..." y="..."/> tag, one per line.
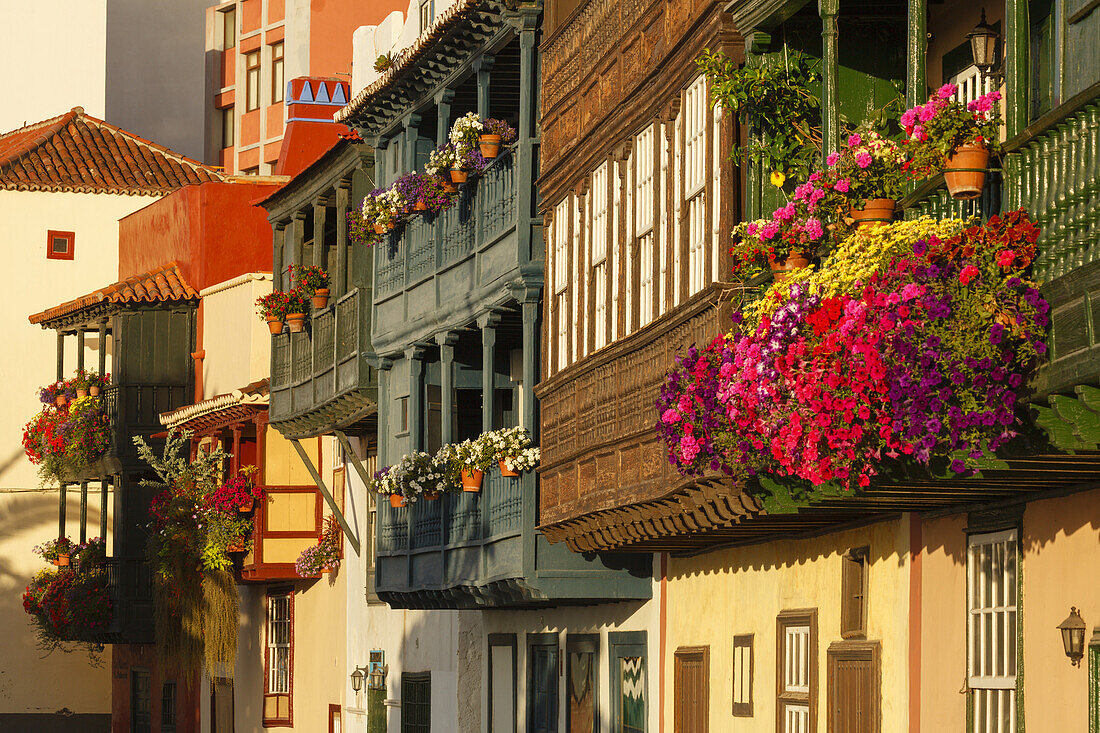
<point x="353" y="537"/>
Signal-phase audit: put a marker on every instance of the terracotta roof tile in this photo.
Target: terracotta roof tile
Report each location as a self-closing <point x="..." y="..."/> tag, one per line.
<point x="80" y="153"/>
<point x="160" y="285"/>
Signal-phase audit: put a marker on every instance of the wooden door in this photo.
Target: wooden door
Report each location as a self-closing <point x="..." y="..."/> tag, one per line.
<point x="542" y="684"/>
<point x="854" y="687"/>
<point x="692" y="689"/>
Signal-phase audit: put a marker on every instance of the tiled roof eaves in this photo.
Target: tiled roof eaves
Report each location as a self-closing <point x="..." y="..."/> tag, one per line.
<point x="253" y="395"/>
<point x="161" y="285"/>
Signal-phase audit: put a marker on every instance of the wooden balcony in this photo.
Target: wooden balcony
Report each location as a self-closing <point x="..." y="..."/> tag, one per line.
<point x="318" y="379"/>
<point x="287" y="521"/>
<point x="470" y="550"/>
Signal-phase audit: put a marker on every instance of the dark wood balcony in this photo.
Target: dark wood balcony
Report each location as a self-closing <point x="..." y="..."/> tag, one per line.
<point x="319" y="379"/>
<point x="470" y="550"/>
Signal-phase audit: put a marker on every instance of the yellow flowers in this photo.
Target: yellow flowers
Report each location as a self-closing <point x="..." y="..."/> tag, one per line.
<point x="778" y="179"/>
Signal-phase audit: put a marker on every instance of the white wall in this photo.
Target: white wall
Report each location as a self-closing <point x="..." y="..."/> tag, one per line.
<point x="236" y="341"/>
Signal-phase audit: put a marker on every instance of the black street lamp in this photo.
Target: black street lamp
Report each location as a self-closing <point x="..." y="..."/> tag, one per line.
<point x="1073" y="636"/>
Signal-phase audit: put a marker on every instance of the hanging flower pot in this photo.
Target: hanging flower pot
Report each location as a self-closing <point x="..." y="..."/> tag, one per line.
<point x="61" y="400"/>
<point x="490" y="145"/>
<point x="875" y="211"/>
<point x="397" y="501"/>
<point x="421" y="205"/>
<point x="458" y="175"/>
<point x="94" y="389"/>
<point x="450" y="187"/>
<point x="471" y="479"/>
<point x="507" y="472"/>
<point x="965" y="171"/>
<point x="275" y="325"/>
<point x="379" y="229"/>
<point x="320" y="298"/>
<point x="391" y="224"/>
<point x="62" y="561"/>
<point x="296" y="322"/>
<point x="246" y="506"/>
<point x="327" y="571"/>
<point x="81" y="393"/>
<point x="793" y="261"/>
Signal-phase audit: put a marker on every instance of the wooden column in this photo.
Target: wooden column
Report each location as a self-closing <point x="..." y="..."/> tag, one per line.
<point x="83" y="511"/>
<point x="385" y="406"/>
<point x="483" y="66"/>
<point x="61" y="499"/>
<point x="530" y="366"/>
<point x="80" y="348"/>
<point x="446" y="343"/>
<point x="443" y="101"/>
<point x="103" y="510"/>
<point x="102" y="347"/>
<point x="278" y="243"/>
<point x="339" y="283"/>
<point x="412" y="133"/>
<point x="320" y="210"/>
<point x="528" y="22"/>
<point x="830" y="109"/>
<point x="916" y="80"/>
<point x="298" y="234"/>
<point x="60" y="355"/>
<point x="1016" y="66"/>
<point x="488" y="323"/>
<point x="414" y="356"/>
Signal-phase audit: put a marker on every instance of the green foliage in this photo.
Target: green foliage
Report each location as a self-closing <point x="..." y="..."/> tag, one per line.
<point x="779" y="104"/>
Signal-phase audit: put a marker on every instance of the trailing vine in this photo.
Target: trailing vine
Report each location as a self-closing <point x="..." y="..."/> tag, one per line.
<point x="777" y="102"/>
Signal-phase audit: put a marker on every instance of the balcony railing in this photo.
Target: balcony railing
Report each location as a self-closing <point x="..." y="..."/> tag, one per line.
<point x="130" y="585"/>
<point x="484" y="210"/>
<point x="312" y="369"/>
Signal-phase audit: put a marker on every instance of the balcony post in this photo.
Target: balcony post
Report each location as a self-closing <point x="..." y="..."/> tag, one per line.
<point x="83" y="511"/>
<point x="103" y="510"/>
<point x="916" y="86"/>
<point x="443" y="101"/>
<point x="382" y="366"/>
<point x="530" y="367"/>
<point x="298" y="242"/>
<point x="488" y="323"/>
<point x="62" y="496"/>
<point x="446" y="343"/>
<point x="414" y="355"/>
<point x="339" y="283"/>
<point x="1016" y="66"/>
<point x="278" y="244"/>
<point x="483" y="66"/>
<point x="525" y="159"/>
<point x="319" y="212"/>
<point x="102" y="346"/>
<point x="830" y="111"/>
<point x="80" y="348"/>
<point x="412" y="133"/>
<point x="60" y="355"/>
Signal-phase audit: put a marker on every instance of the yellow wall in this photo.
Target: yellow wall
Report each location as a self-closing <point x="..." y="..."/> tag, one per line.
<point x="714" y="596"/>
<point x="943" y="624"/>
<point x="236" y="342"/>
<point x="283" y="466"/>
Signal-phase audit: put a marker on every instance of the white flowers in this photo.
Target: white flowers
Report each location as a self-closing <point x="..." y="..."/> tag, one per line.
<point x="464" y="135"/>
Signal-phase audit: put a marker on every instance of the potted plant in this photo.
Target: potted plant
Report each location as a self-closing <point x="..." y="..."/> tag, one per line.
<point x="511" y="448"/>
<point x="384" y="483"/>
<point x="97" y="383"/>
<point x="410" y="187"/>
<point x="786" y="242"/>
<point x="273" y="309"/>
<point x="323" y="557"/>
<point x="312" y="282"/>
<point x="464" y="137"/>
<point x="383" y="63"/>
<point x="54" y="394"/>
<point x="469" y="460"/>
<point x="81" y="383"/>
<point x="871" y="172"/>
<point x="946" y="136"/>
<point x="58" y="551"/>
<point x="238" y="494"/>
<point x="297" y="305"/>
<point x="495" y="132"/>
<point x="441" y="162"/>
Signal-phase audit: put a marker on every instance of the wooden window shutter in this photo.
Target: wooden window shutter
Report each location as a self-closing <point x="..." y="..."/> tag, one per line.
<point x="692" y="690"/>
<point x="853" y="591"/>
<point x="742" y="676"/>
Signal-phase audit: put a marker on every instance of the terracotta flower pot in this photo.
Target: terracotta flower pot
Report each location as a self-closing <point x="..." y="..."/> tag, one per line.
<point x="379" y="229"/>
<point x="81" y="393"/>
<point x="875" y="211"/>
<point x="246" y="506"/>
<point x="320" y="298"/>
<point x="420" y="205"/>
<point x="431" y="495"/>
<point x="781" y="268"/>
<point x="235" y="547"/>
<point x="62" y="561"/>
<point x="397" y="501"/>
<point x="471" y="480"/>
<point x="507" y="472"/>
<point x="327" y="571"/>
<point x="965" y="171"/>
<point x="275" y="325"/>
<point x="450" y="187"/>
<point x="489" y="144"/>
<point x="60" y="400"/>
<point x="459" y="176"/>
<point x="296" y="322"/>
<point x="94" y="389"/>
<point x="391" y="224"/>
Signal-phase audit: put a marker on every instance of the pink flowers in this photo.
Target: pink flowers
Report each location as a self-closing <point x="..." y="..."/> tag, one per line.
<point x="833" y="159"/>
<point x="984" y="103"/>
<point x="814" y="229"/>
<point x="947" y="91"/>
<point x="842" y="185"/>
<point x="967" y="274"/>
<point x="854" y="140"/>
<point x="863" y="160"/>
<point x="769" y="230"/>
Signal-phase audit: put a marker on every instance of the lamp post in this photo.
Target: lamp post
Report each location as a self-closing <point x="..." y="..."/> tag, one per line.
<point x="1073" y="636"/>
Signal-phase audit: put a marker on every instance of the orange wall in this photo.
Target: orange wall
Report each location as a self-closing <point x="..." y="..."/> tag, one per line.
<point x="943" y="624"/>
<point x="125" y="656"/>
<point x="212" y="230"/>
<point x="331" y="24"/>
<point x="250" y="16"/>
<point x="276" y="11"/>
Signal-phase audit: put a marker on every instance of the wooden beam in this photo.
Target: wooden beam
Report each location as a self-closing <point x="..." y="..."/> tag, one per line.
<point x="352" y="536"/>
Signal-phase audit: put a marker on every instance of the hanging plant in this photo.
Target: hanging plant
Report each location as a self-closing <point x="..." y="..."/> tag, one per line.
<point x="323" y="557"/>
<point x="383" y="63"/>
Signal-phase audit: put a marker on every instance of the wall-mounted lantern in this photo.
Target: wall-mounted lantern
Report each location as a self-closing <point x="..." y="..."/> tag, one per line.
<point x="357" y="678"/>
<point x="983" y="46"/>
<point x="1073" y="636"/>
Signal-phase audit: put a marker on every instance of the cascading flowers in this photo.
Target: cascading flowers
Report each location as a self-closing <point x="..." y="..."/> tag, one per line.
<point x="897" y="347"/>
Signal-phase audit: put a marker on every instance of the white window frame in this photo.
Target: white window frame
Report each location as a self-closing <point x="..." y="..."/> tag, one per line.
<point x="992" y="602"/>
<point x="695" y="180"/>
<point x="279" y="652"/>
<point x="561" y="281"/>
<point x="644" y="181"/>
<point x="597" y="242"/>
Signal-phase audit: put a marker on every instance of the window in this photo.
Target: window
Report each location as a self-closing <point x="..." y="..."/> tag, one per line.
<point x="252" y="81"/>
<point x="403" y="414"/>
<point x="542" y="683"/>
<point x="168" y="706"/>
<point x="992" y="629"/>
<point x="692" y="689"/>
<point x="561" y="281"/>
<point x="60" y="245"/>
<point x="427" y="13"/>
<point x="582" y="683"/>
<point x="742" y="676"/>
<point x="598" y="255"/>
<point x="643" y="220"/>
<point x="629" y="686"/>
<point x="141" y="703"/>
<point x="695" y="165"/>
<point x="277" y="82"/>
<point x="502" y="683"/>
<point x="796" y="671"/>
<point x="416" y="702"/>
<point x="279" y="662"/>
<point x="853" y="594"/>
<point x="229" y="28"/>
<point x="228" y="127"/>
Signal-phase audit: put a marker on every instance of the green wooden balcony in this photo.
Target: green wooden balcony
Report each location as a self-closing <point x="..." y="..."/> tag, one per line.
<point x="318" y="380"/>
<point x="469" y="550"/>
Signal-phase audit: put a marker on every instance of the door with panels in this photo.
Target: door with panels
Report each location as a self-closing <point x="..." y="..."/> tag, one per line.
<point x="692" y="690"/>
<point x="542" y="683"/>
<point x="796" y="671"/>
<point x="854" y="687"/>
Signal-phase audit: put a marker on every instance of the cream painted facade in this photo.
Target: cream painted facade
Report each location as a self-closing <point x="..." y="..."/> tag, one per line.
<point x="714" y="596"/>
<point x="229" y="313"/>
<point x="391" y="36"/>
